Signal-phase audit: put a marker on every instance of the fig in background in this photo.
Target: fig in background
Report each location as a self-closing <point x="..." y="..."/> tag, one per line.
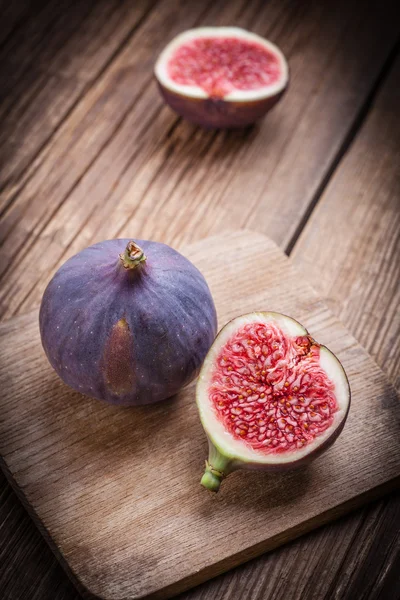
<point x="221" y="77"/>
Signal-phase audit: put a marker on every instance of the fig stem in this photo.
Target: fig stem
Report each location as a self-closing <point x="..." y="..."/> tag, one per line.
<point x="212" y="478"/>
<point x="132" y="256"/>
<point x="218" y="466"/>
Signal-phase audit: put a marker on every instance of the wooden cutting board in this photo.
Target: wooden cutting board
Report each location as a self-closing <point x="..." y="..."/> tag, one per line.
<point x="116" y="490"/>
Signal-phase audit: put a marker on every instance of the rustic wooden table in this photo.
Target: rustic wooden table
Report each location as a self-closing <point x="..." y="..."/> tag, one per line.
<point x="89" y="151"/>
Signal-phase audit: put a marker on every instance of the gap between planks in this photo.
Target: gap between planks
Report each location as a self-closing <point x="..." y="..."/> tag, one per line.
<point x="347" y="142"/>
<point x="108" y="138"/>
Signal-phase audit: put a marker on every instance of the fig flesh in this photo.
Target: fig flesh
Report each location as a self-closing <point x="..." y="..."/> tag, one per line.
<point x="126" y="323"/>
<point x="269" y="397"/>
<point x="221" y="77"/>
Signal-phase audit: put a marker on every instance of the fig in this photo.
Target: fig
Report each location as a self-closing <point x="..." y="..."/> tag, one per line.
<point x="269" y="397"/>
<point x="221" y="77"/>
<point x="129" y="323"/>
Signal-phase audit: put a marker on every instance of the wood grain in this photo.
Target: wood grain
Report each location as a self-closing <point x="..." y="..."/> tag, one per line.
<point x="122" y="148"/>
<point x="88" y="469"/>
<point x="48" y="65"/>
<point x="356" y="557"/>
<point x="357" y="217"/>
<point x="329" y="563"/>
<point x="354" y="264"/>
<point x="13" y="15"/>
<point x="28" y="568"/>
<point x="120" y="106"/>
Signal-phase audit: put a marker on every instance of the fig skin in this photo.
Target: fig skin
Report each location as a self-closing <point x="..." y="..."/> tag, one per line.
<point x="217" y="113"/>
<point x="130" y="332"/>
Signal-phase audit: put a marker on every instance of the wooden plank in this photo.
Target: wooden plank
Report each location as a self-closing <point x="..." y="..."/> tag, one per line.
<point x="355" y="557"/>
<point x="76" y="62"/>
<point x="81" y="477"/>
<point x="13" y="16"/>
<point x="84" y="134"/>
<point x="372" y="563"/>
<point x="148" y="171"/>
<point x="348" y="244"/>
<point x="47" y="66"/>
<point x="28" y="568"/>
<point x="327" y="562"/>
<point x="270" y="567"/>
<point x="350" y="247"/>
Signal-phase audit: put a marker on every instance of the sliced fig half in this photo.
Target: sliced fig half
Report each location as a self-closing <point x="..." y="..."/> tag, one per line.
<point x="221" y="77"/>
<point x="269" y="396"/>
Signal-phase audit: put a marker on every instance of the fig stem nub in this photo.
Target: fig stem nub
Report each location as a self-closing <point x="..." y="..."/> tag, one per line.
<point x="212" y="478"/>
<point x="133" y="256"/>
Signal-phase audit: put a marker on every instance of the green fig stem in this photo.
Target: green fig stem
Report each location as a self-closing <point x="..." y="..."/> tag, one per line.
<point x="218" y="466"/>
<point x="133" y="256"/>
<point x="212" y="478"/>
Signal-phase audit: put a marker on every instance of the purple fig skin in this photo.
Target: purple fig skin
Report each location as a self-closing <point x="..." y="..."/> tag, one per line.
<point x="217" y="113"/>
<point x="129" y="337"/>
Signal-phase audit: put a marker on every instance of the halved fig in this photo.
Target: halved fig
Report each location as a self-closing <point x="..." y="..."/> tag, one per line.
<point x="221" y="77"/>
<point x="269" y="396"/>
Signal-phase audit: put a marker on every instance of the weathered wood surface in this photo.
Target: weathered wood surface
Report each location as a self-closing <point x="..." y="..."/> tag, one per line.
<point x="191" y="186"/>
<point x="49" y="64"/>
<point x="104" y="480"/>
<point x="122" y="162"/>
<point x="350" y="248"/>
<point x="349" y="252"/>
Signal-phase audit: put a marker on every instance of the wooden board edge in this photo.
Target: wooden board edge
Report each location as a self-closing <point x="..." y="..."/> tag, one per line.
<point x="268" y="545"/>
<point x="241" y="557"/>
<point x="217" y="568"/>
<point x="79" y="586"/>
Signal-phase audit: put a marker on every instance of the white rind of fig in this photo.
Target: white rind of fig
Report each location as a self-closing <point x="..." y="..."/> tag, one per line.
<point x="237" y="107"/>
<point x="228" y="453"/>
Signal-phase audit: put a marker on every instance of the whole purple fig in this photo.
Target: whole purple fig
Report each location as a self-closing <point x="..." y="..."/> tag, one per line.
<point x="127" y="323"/>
